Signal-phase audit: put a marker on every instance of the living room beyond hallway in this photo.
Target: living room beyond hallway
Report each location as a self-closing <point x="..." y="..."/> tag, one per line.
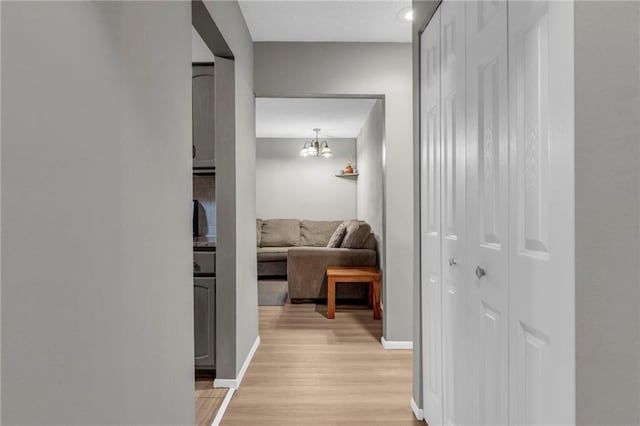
<point x="319" y="170"/>
<point x="310" y="370"/>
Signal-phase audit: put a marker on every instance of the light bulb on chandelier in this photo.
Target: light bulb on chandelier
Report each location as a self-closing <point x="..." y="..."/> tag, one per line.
<point x="315" y="148"/>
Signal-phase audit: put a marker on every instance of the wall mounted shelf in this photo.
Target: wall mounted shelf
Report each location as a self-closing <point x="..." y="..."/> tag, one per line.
<point x="349" y="175"/>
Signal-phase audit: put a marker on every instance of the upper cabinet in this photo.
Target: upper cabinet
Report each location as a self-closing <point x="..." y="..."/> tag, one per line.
<point x="203" y="117"/>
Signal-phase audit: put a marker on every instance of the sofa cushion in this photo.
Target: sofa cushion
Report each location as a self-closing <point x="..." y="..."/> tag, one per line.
<point x="317" y="233"/>
<point x="272" y="254"/>
<point x="370" y="242"/>
<point x="259" y="231"/>
<point x="357" y="233"/>
<point x="338" y="236"/>
<point x="280" y="233"/>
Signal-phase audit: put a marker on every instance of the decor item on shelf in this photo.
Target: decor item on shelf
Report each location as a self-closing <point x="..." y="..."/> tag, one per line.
<point x="348" y="170"/>
<point x="315" y="148"/>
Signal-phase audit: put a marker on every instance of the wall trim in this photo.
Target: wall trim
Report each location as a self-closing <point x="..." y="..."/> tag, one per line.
<point x="235" y="383"/>
<point x="416" y="411"/>
<point x="223" y="408"/>
<point x="396" y="344"/>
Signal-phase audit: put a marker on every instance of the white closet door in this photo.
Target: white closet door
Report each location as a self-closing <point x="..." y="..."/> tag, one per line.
<point x="454" y="292"/>
<point x="430" y="158"/>
<point x="542" y="337"/>
<point x="487" y="210"/>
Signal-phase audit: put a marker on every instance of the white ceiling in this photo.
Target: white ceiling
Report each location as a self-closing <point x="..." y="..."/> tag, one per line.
<point x="327" y="20"/>
<point x="296" y="118"/>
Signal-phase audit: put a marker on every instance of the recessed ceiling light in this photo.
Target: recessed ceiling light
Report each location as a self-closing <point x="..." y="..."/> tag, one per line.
<point x="409" y="15"/>
<point x="405" y="14"/>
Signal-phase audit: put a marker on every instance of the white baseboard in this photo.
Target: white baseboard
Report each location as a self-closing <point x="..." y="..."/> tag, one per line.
<point x="416" y="411"/>
<point x="225" y="403"/>
<point x="235" y="383"/>
<point x="396" y="344"/>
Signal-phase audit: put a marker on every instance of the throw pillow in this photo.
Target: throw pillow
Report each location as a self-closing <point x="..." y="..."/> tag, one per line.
<point x="337" y="236"/>
<point x="357" y="233"/>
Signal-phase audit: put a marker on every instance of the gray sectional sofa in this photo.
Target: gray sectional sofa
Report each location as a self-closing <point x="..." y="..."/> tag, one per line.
<point x="298" y="249"/>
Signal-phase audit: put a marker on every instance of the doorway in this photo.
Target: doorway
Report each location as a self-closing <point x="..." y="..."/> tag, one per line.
<point x="318" y="164"/>
<point x="213" y="121"/>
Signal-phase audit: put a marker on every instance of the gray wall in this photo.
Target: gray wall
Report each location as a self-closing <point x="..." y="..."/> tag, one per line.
<point x="290" y="186"/>
<point x="370" y="182"/>
<point x="97" y="296"/>
<point x="323" y="69"/>
<point x="238" y="186"/>
<point x="607" y="85"/>
<point x="0" y="225"/>
<point x="369" y="146"/>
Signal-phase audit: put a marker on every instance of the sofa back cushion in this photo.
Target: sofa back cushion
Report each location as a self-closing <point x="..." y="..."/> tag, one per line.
<point x="259" y="231"/>
<point x="317" y="233"/>
<point x="357" y="233"/>
<point x="280" y="233"/>
<point x="370" y="242"/>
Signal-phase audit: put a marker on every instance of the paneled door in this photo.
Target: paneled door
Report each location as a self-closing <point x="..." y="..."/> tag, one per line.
<point x="453" y="217"/>
<point x="487" y="210"/>
<point x="431" y="256"/>
<point x="542" y="336"/>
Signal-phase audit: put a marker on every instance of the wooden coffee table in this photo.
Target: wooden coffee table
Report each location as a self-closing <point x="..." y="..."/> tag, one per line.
<point x="353" y="274"/>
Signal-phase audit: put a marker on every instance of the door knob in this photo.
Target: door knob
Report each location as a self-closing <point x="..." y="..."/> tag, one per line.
<point x="480" y="272"/>
<point x="452" y="261"/>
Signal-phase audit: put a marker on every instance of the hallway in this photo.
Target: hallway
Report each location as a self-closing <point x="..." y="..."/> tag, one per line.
<point x="310" y="370"/>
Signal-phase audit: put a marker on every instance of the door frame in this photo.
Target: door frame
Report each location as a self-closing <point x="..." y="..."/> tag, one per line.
<point x="225" y="319"/>
<point x="377" y="97"/>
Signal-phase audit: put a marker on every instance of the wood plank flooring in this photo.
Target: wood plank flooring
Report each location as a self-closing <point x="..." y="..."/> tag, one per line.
<point x="310" y="370"/>
<point x="208" y="401"/>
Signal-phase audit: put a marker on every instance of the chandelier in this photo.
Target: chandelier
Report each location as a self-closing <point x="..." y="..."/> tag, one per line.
<point x="315" y="148"/>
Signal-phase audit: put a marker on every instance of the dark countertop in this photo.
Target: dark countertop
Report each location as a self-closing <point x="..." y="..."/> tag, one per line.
<point x="204" y="241"/>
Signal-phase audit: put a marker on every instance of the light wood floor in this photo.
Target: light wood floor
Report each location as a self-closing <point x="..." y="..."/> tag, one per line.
<point x="208" y="401"/>
<point x="310" y="370"/>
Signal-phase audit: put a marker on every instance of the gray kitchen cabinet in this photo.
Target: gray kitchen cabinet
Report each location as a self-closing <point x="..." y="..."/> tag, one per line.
<point x="202" y="86"/>
<point x="204" y="304"/>
<point x="204" y="308"/>
<point x="204" y="263"/>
